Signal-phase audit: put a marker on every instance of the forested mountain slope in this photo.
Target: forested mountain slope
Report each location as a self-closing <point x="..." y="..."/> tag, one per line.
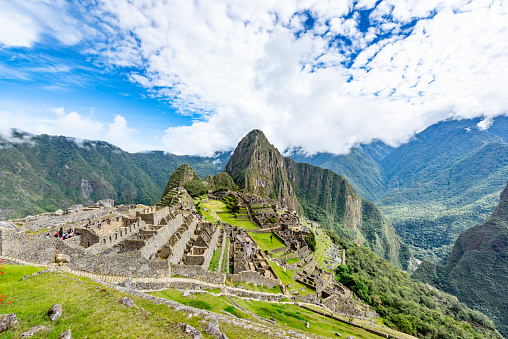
<point x="477" y="269"/>
<point x="432" y="188"/>
<point x="46" y="173"/>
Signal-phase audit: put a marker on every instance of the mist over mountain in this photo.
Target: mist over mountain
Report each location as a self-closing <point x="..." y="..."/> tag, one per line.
<point x="443" y="181"/>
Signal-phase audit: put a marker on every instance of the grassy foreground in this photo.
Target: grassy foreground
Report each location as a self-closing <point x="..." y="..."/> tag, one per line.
<point x="90" y="310"/>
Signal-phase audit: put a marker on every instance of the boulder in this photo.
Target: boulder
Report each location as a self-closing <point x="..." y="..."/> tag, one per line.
<point x="307" y="325"/>
<point x="33" y="331"/>
<point x="222" y="336"/>
<point x="55" y="312"/>
<point x="195" y="334"/>
<point x="186" y="293"/>
<point x="65" y="335"/>
<point x="8" y="321"/>
<point x="62" y="258"/>
<point x="127" y="302"/>
<point x="212" y="328"/>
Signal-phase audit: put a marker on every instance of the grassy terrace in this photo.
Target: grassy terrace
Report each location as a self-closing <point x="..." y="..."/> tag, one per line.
<point x="264" y="242"/>
<point x="93" y="311"/>
<point x="214" y="206"/>
<point x="214" y="262"/>
<point x="224" y="267"/>
<point x="203" y="301"/>
<point x="292" y="316"/>
<point x="252" y="287"/>
<point x="285" y="277"/>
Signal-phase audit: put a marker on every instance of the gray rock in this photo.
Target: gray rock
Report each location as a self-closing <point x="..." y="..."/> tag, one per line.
<point x="8" y="321"/>
<point x="338" y="334"/>
<point x="9" y="226"/>
<point x="33" y="331"/>
<point x="127" y="301"/>
<point x="55" y="312"/>
<point x="273" y="319"/>
<point x="65" y="335"/>
<point x="60" y="257"/>
<point x="350" y="337"/>
<point x="128" y="282"/>
<point x="222" y="336"/>
<point x="307" y="325"/>
<point x="195" y="334"/>
<point x="186" y="293"/>
<point x="212" y="328"/>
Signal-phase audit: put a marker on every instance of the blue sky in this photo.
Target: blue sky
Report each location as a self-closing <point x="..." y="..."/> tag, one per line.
<point x="194" y="77"/>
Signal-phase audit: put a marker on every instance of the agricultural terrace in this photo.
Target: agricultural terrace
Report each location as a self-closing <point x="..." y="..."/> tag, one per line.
<point x="265" y="243"/>
<point x="285" y="277"/>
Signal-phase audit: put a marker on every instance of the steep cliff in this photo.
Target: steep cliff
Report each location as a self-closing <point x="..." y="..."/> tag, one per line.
<point x="477" y="269"/>
<point x="258" y="167"/>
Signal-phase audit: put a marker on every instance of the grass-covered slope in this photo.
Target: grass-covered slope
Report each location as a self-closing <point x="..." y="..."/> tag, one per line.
<point x="45" y="173"/>
<point x="94" y="311"/>
<point x="477" y="269"/>
<point x="409" y="306"/>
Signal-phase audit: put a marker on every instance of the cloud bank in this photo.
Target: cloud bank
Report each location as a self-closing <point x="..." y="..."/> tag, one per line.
<point x="321" y="76"/>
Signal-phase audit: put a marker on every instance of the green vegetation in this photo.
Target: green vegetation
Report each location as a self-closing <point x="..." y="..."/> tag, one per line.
<point x="404" y="304"/>
<point x="311" y="241"/>
<point x="286" y="278"/>
<point x="292" y="316"/>
<point x="259" y="288"/>
<point x="265" y="242"/>
<point x="477" y="263"/>
<point x="94" y="311"/>
<point x="214" y="262"/>
<point x="204" y="301"/>
<point x="444" y="181"/>
<point x="319" y="194"/>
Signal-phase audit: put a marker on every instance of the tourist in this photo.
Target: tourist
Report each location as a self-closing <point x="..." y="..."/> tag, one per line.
<point x="47" y="236"/>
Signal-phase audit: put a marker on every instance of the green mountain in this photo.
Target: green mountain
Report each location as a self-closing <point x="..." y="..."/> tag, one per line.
<point x="412" y="307"/>
<point x="45" y="173"/>
<point x="477" y="269"/>
<point x="258" y="167"/>
<point x="435" y="186"/>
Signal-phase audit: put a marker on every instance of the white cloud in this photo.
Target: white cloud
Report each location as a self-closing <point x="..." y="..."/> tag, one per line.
<point x="25" y="22"/>
<point x="237" y="65"/>
<point x="73" y="124"/>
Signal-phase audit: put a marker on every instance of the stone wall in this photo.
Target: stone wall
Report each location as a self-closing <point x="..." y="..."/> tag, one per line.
<point x="197" y="272"/>
<point x="50" y="220"/>
<point x="130" y="228"/>
<point x="129" y="264"/>
<point x="153" y="244"/>
<point x="153" y="215"/>
<point x="252" y="277"/>
<point x="29" y="247"/>
<point x="88" y="237"/>
<point x="179" y="240"/>
<point x="256" y="295"/>
<point x="211" y="249"/>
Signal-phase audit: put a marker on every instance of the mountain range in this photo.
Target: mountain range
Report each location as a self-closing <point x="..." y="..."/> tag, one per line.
<point x="477" y="269"/>
<point x="432" y="188"/>
<point x="45" y="173"/>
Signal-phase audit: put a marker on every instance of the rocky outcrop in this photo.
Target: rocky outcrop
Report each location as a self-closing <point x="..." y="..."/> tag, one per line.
<point x="322" y="195"/>
<point x="55" y="312"/>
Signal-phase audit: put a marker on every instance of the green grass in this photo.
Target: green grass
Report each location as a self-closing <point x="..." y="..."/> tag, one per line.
<point x="292" y="261"/>
<point x="286" y="279"/>
<point x="214" y="262"/>
<point x="94" y="311"/>
<point x="224" y="267"/>
<point x="292" y="316"/>
<point x="230" y="219"/>
<point x="264" y="242"/>
<point x="252" y="287"/>
<point x="203" y="301"/>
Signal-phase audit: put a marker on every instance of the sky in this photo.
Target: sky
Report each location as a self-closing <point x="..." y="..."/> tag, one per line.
<point x="193" y="77"/>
